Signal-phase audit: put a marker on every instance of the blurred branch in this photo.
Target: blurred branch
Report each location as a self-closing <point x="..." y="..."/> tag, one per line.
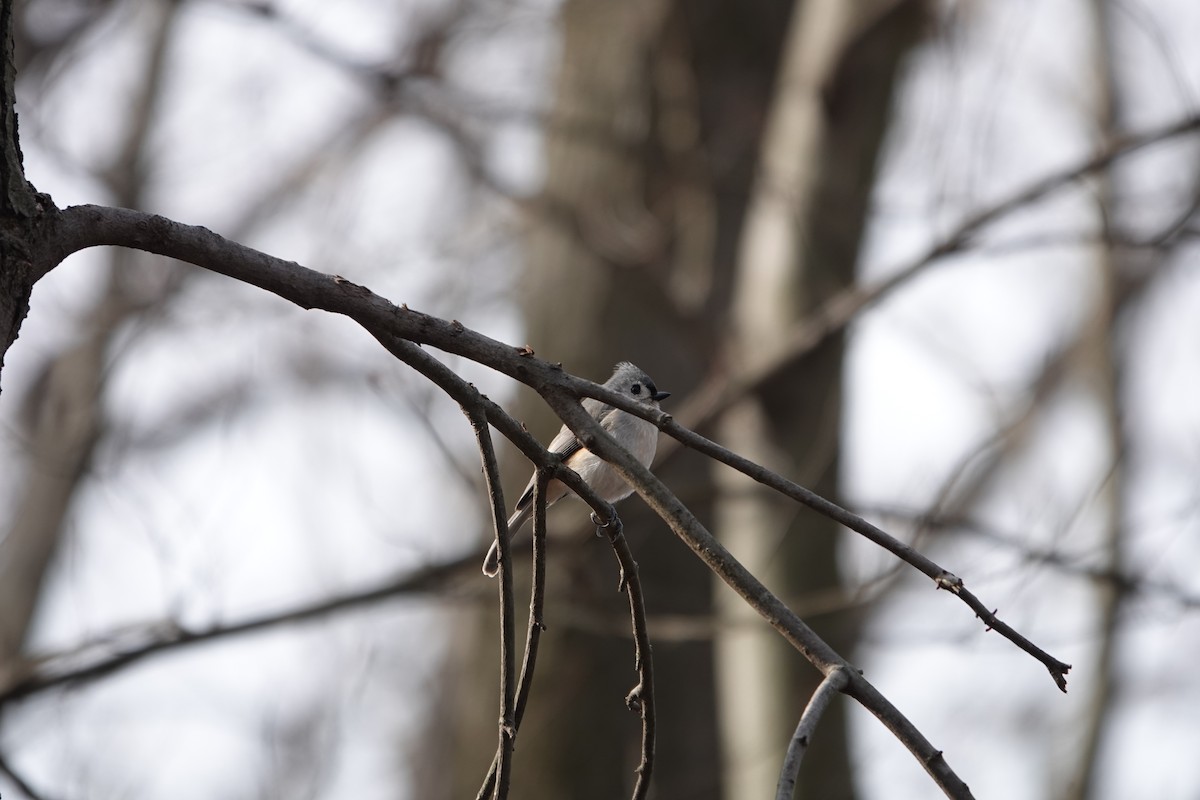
<point x="63" y="408"/>
<point x="726" y="384"/>
<point x="1106" y="362"/>
<point x="19" y="780"/>
<point x="1123" y="581"/>
<point x="108" y="655"/>
<point x="418" y="88"/>
<point x="834" y="682"/>
<point x="420" y="413"/>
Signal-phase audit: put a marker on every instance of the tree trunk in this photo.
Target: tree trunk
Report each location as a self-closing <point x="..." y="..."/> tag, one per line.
<point x="63" y="415"/>
<point x="800" y="246"/>
<point x="18" y="203"/>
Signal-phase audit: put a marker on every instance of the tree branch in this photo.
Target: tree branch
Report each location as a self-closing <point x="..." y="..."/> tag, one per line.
<point x="942" y="578"/>
<point x="534" y="630"/>
<point x="684" y="524"/>
<point x="641" y="698"/>
<point x="508" y="679"/>
<point x="402" y="329"/>
<point x="835" y="681"/>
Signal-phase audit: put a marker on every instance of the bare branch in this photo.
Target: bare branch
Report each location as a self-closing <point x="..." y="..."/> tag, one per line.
<point x="641" y="698"/>
<point x="537" y="598"/>
<point x="561" y="391"/>
<point x="942" y="578"/>
<point x="684" y="524"/>
<point x="508" y="672"/>
<point x="534" y="630"/>
<point x="402" y="329"/>
<point x="835" y="681"/>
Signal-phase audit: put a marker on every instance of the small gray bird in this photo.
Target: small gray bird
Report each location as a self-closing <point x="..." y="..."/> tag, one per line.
<point x="635" y="434"/>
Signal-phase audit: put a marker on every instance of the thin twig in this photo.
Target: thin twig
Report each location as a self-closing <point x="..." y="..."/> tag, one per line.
<point x="942" y="578"/>
<point x="834" y="682"/>
<point x="533" y="633"/>
<point x="508" y="672"/>
<point x="537" y="596"/>
<point x="641" y="698"/>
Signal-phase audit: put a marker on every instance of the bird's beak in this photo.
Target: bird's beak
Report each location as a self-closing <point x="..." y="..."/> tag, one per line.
<point x="657" y="396"/>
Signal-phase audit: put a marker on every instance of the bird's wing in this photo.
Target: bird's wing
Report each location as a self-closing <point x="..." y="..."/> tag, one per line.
<point x="566" y="443"/>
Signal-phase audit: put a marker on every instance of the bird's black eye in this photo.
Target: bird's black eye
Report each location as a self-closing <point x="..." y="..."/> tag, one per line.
<point x="636" y="388"/>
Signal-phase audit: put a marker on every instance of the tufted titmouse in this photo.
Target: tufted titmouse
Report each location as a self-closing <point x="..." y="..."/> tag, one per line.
<point x="635" y="434"/>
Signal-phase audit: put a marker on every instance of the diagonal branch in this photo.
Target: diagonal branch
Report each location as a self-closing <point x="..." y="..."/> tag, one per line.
<point x="720" y="390"/>
<point x="942" y="578"/>
<point x="685" y="525"/>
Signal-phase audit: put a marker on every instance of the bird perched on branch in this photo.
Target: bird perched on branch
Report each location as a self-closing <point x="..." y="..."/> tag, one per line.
<point x="635" y="434"/>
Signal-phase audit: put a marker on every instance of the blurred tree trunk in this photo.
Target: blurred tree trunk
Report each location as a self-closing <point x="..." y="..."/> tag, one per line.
<point x="62" y="412"/>
<point x="1105" y="372"/>
<point x="801" y="242"/>
<point x="650" y="152"/>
